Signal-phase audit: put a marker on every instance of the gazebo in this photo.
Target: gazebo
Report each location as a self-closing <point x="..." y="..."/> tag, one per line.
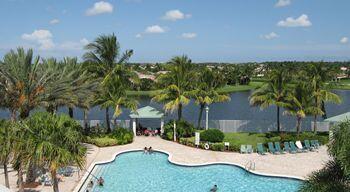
<point x="147" y="112"/>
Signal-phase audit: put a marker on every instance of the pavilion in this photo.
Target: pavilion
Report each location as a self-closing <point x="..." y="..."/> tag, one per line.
<point x="147" y="112"/>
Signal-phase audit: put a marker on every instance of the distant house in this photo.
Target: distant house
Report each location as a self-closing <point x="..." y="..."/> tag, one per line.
<point x="146" y="76"/>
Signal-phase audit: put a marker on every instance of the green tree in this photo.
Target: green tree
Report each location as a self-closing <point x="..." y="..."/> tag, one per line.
<point x="6" y="144"/>
<point x="274" y="92"/>
<point x="206" y="92"/>
<point x="177" y="82"/>
<point x="319" y="75"/>
<point x="56" y="142"/>
<point x="105" y="59"/>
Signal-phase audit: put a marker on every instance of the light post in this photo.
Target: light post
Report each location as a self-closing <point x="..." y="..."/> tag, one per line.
<point x="207" y="117"/>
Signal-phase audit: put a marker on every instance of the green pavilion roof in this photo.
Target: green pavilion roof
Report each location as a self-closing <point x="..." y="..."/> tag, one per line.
<point x="146" y="112"/>
<point x="339" y="118"/>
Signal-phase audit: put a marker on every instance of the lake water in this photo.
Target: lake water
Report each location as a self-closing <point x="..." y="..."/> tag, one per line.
<point x="236" y="109"/>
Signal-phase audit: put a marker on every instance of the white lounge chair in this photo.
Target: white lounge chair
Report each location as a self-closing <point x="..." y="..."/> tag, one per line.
<point x="300" y="146"/>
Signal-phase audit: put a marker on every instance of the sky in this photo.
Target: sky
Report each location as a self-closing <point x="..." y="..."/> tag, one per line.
<point x="205" y="30"/>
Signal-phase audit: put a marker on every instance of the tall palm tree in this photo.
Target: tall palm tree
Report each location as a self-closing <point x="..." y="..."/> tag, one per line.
<point x="299" y="104"/>
<point x="319" y="75"/>
<point x="55" y="142"/>
<point x="116" y="97"/>
<point x="206" y="92"/>
<point x="274" y="92"/>
<point x="104" y="59"/>
<point x="177" y="82"/>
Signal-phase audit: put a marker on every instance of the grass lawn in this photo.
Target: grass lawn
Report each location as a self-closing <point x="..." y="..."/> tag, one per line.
<point x="226" y="89"/>
<point x="238" y="139"/>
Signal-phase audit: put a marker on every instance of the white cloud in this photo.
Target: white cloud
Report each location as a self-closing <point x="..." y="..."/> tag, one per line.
<point x="138" y="35"/>
<point x="73" y="45"/>
<point x="42" y="37"/>
<point x="155" y="29"/>
<point x="174" y="15"/>
<point x="283" y="3"/>
<point x="271" y="35"/>
<point x="100" y="8"/>
<point x="302" y="21"/>
<point x="189" y="35"/>
<point x="54" y="21"/>
<point x="344" y="40"/>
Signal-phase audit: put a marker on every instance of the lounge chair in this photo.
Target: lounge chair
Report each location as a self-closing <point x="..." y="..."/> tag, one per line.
<point x="272" y="148"/>
<point x="278" y="148"/>
<point x="288" y="148"/>
<point x="300" y="146"/>
<point x="250" y="149"/>
<point x="315" y="144"/>
<point x="308" y="146"/>
<point x="293" y="147"/>
<point x="261" y="149"/>
<point x="244" y="149"/>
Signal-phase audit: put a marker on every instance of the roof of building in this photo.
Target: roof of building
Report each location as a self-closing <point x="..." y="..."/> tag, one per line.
<point x="339" y="118"/>
<point x="146" y="112"/>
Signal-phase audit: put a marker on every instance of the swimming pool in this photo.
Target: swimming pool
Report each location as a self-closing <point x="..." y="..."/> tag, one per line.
<point x="135" y="171"/>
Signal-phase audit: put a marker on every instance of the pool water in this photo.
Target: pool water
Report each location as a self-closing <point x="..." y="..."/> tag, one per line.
<point x="135" y="171"/>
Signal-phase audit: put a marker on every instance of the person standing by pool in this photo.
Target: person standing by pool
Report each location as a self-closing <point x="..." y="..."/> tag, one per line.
<point x="150" y="150"/>
<point x="100" y="181"/>
<point x="214" y="189"/>
<point x="145" y="150"/>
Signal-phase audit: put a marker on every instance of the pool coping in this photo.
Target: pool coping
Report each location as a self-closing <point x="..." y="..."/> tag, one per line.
<point x="92" y="166"/>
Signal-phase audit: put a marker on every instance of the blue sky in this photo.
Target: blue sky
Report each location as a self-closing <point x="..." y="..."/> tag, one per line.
<point x="205" y="30"/>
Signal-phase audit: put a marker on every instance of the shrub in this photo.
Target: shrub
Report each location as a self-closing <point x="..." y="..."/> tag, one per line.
<point x="217" y="147"/>
<point x="102" y="141"/>
<point x="212" y="135"/>
<point x="183" y="129"/>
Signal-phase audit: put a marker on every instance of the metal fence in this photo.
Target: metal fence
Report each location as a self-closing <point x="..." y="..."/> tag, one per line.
<point x="227" y="126"/>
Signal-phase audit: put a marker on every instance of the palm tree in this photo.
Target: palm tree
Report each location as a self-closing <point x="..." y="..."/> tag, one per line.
<point x="104" y="59"/>
<point x="274" y="92"/>
<point x="6" y="141"/>
<point x="206" y="92"/>
<point x="56" y="142"/>
<point x="299" y="104"/>
<point x="116" y="97"/>
<point x="178" y="82"/>
<point x="319" y="75"/>
<point x="335" y="175"/>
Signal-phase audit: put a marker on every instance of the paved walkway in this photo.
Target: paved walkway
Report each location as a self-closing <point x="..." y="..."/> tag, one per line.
<point x="297" y="165"/>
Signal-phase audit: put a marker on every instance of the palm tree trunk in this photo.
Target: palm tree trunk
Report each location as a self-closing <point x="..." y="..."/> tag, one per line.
<point x="107" y="121"/>
<point x="298" y="125"/>
<point x="315" y="124"/>
<point x="278" y="120"/>
<point x="179" y="112"/>
<point x="71" y="112"/>
<point x="86" y="122"/>
<point x="201" y="108"/>
<point x="323" y="108"/>
<point x="31" y="172"/>
<point x="6" y="173"/>
<point x="54" y="180"/>
<point x="13" y="115"/>
<point x="20" y="180"/>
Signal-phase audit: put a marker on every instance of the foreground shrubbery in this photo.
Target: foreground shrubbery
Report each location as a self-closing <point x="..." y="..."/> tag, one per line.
<point x="335" y="176"/>
<point x="119" y="136"/>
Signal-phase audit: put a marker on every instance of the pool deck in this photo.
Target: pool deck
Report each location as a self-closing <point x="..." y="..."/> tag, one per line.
<point x="294" y="165"/>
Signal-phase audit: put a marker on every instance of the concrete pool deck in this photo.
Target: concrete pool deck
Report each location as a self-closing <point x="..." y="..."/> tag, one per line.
<point x="295" y="165"/>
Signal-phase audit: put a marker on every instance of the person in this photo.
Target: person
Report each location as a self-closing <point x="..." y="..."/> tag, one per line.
<point x="150" y="150"/>
<point x="100" y="181"/>
<point x="214" y="189"/>
<point x="145" y="150"/>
